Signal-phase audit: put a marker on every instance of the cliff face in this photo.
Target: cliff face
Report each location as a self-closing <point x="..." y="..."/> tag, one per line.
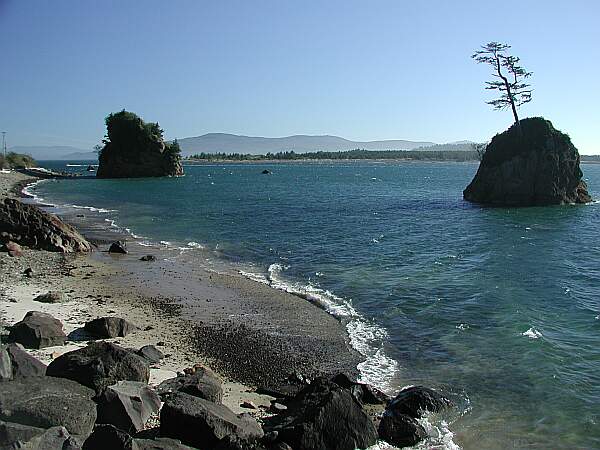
<point x="535" y="167"/>
<point x="136" y="149"/>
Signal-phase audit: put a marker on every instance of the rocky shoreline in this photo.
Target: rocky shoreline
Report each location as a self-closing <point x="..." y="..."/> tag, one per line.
<point x="282" y="380"/>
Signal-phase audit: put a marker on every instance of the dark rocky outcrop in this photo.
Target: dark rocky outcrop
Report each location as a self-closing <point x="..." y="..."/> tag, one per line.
<point x="401" y="430"/>
<point x="127" y="405"/>
<point x="324" y="416"/>
<point x="416" y="400"/>
<point x="150" y="353"/>
<point x="38" y="330"/>
<point x="534" y="166"/>
<point x="203" y="384"/>
<point x="161" y="444"/>
<point x="118" y="247"/>
<point x="99" y="365"/>
<point x="364" y="393"/>
<point x="30" y="226"/>
<point x="200" y="423"/>
<point x="23" y="365"/>
<point x="107" y="437"/>
<point x="109" y="327"/>
<point x="134" y="148"/>
<point x="46" y="402"/>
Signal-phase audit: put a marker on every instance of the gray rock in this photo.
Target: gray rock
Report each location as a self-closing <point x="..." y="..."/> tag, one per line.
<point x="99" y="365"/>
<point x="401" y="430"/>
<point x="30" y="226"/>
<point x="119" y="247"/>
<point x="46" y="402"/>
<point x="416" y="400"/>
<point x="23" y="364"/>
<point x="203" y="384"/>
<point x="536" y="166"/>
<point x="150" y="353"/>
<point x="5" y="365"/>
<point x="38" y="330"/>
<point x="324" y="416"/>
<point x="11" y="434"/>
<point x="200" y="423"/>
<point x="127" y="405"/>
<point x="110" y="327"/>
<point x="161" y="444"/>
<point x="53" y="438"/>
<point x="107" y="437"/>
<point x="51" y="297"/>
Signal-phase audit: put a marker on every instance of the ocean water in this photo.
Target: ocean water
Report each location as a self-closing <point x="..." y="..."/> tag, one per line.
<point x="498" y="307"/>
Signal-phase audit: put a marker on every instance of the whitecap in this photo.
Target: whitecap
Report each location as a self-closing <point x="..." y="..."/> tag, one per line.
<point x="532" y="333"/>
<point x="195" y="245"/>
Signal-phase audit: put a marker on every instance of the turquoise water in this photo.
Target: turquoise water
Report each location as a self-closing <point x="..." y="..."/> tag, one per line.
<point x="499" y="307"/>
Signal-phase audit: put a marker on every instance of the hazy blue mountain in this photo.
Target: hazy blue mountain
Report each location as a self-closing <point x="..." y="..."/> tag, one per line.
<point x="63" y="152"/>
<point x="232" y="143"/>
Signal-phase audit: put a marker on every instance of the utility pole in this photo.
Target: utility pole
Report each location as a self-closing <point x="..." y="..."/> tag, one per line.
<point x="4" y="144"/>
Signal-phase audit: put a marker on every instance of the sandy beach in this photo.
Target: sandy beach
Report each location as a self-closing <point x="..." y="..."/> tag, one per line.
<point x="258" y="339"/>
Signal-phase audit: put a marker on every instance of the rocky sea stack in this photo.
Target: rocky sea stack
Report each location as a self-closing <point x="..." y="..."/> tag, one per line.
<point x="134" y="149"/>
<point x="534" y="166"/>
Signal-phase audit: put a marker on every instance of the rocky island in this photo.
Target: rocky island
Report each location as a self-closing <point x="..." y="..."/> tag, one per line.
<point x="530" y="164"/>
<point x="135" y="149"/>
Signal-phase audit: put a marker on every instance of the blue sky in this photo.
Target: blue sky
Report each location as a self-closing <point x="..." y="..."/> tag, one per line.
<point x="361" y="70"/>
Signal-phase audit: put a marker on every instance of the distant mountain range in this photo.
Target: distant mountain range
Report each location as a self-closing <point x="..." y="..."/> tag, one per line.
<point x="233" y="143"/>
<point x="62" y="152"/>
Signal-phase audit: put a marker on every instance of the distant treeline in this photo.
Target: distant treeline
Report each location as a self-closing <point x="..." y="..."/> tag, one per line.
<point x="416" y="155"/>
<point x="590" y="158"/>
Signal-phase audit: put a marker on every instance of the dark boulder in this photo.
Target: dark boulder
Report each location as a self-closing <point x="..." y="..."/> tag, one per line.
<point x="150" y="353"/>
<point x="109" y="327"/>
<point x="134" y="148"/>
<point x="266" y="172"/>
<point x="161" y="444"/>
<point x="30" y="226"/>
<point x="149" y="258"/>
<point x="108" y="437"/>
<point x="200" y="423"/>
<point x="324" y="416"/>
<point x="203" y="384"/>
<point x="38" y="330"/>
<point x="14" y="435"/>
<point x="46" y="402"/>
<point x="99" y="365"/>
<point x="118" y="247"/>
<point x="416" y="400"/>
<point x="535" y="165"/>
<point x="23" y="364"/>
<point x="364" y="393"/>
<point x="28" y="272"/>
<point x="401" y="430"/>
<point x="127" y="405"/>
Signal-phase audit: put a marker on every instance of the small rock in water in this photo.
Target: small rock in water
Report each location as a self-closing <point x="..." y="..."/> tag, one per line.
<point x="118" y="247"/>
<point x="266" y="172"/>
<point x="150" y="258"/>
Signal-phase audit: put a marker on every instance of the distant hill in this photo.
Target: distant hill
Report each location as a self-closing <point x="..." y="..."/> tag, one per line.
<point x="232" y="143"/>
<point x="465" y="146"/>
<point x="62" y="152"/>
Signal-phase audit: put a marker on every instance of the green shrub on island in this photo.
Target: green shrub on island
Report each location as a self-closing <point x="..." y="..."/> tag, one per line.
<point x="16" y="161"/>
<point x="133" y="148"/>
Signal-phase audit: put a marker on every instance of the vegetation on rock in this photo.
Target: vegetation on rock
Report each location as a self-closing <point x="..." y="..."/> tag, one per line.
<point x="16" y="161"/>
<point x="134" y="148"/>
